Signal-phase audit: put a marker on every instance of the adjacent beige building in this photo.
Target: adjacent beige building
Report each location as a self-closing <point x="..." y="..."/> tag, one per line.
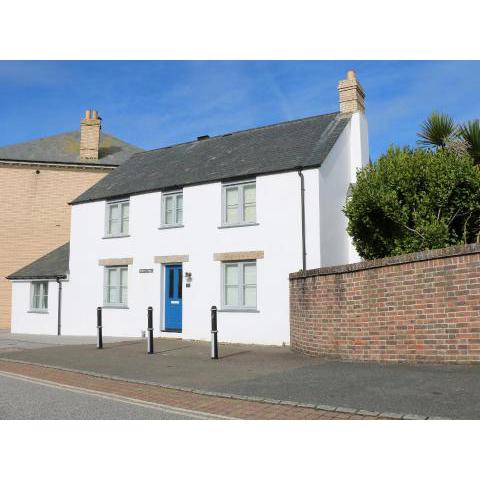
<point x="37" y="181"/>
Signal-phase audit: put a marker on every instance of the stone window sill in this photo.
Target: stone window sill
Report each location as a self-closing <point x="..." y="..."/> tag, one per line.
<point x="239" y="310"/>
<point x="115" y="307"/>
<point x="38" y="311"/>
<point x="114" y="236"/>
<point x="167" y="227"/>
<point x="239" y="225"/>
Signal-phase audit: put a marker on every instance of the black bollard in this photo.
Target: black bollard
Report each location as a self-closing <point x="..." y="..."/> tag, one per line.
<point x="99" y="328"/>
<point x="214" y="350"/>
<point x="150" y="330"/>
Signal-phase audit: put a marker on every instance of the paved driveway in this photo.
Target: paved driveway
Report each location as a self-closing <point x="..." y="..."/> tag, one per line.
<point x="278" y="373"/>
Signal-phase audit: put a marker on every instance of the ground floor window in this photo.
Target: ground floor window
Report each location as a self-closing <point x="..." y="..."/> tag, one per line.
<point x="116" y="287"/>
<point x="239" y="285"/>
<point x="39" y="296"/>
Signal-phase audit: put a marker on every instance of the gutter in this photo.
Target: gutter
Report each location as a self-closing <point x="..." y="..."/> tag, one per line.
<point x="59" y="308"/>
<point x="302" y="196"/>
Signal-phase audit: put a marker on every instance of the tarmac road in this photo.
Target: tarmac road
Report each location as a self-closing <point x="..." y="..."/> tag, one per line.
<point x="28" y="399"/>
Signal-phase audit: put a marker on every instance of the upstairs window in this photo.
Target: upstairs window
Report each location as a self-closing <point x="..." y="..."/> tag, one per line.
<point x="39" y="296"/>
<point x="172" y="209"/>
<point x="117" y="218"/>
<point x="116" y="287"/>
<point x="239" y="204"/>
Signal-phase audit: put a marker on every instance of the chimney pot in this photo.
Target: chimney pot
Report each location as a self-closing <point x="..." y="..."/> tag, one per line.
<point x="351" y="94"/>
<point x="87" y="114"/>
<point x="94" y="114"/>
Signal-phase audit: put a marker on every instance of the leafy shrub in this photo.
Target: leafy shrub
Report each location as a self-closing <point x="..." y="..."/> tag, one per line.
<point x="412" y="200"/>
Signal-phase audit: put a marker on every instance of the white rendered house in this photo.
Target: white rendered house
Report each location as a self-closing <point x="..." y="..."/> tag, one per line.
<point x="219" y="221"/>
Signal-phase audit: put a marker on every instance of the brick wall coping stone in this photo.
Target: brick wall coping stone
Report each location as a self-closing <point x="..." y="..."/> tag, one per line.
<point x="454" y="251"/>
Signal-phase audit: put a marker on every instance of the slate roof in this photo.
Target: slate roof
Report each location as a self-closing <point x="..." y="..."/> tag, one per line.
<point x="51" y="265"/>
<point x="65" y="148"/>
<point x="274" y="148"/>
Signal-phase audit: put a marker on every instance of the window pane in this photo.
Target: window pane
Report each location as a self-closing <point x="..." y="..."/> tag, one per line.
<point x="250" y="274"/>
<point x="231" y="195"/>
<point x="231" y="274"/>
<point x="125" y="217"/>
<point x="112" y="295"/>
<point x="249" y="203"/>
<point x="232" y="215"/>
<point x="231" y="296"/>
<point x="231" y="207"/>
<point x="168" y="210"/>
<point x="123" y="295"/>
<point x="113" y="219"/>
<point x="250" y="296"/>
<point x="124" y="277"/>
<point x="170" y="282"/>
<point x="249" y="194"/>
<point x="44" y="303"/>
<point x="180" y="283"/>
<point x="112" y="277"/>
<point x="179" y="219"/>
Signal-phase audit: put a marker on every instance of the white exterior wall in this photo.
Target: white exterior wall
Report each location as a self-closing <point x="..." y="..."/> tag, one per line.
<point x="338" y="171"/>
<point x="278" y="235"/>
<point x="24" y="321"/>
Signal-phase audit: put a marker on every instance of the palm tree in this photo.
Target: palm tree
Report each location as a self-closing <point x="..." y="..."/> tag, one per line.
<point x="470" y="133"/>
<point x="436" y="131"/>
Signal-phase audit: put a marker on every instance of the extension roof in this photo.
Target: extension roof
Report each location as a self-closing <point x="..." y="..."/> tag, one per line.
<point x="51" y="265"/>
<point x="275" y="148"/>
<point x="64" y="148"/>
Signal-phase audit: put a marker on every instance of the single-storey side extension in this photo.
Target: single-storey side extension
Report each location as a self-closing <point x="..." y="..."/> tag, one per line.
<point x="218" y="221"/>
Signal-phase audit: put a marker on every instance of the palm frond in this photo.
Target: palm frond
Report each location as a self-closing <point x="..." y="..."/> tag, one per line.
<point x="470" y="133"/>
<point x="436" y="131"/>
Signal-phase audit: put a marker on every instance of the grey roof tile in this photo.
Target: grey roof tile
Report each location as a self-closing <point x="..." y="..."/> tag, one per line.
<point x="51" y="265"/>
<point x="274" y="148"/>
<point x="65" y="148"/>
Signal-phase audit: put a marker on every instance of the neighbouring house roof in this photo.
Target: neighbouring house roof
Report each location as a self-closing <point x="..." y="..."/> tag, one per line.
<point x="275" y="148"/>
<point x="51" y="265"/>
<point x="64" y="148"/>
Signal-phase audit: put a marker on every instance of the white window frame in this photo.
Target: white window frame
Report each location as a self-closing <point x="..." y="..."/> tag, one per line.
<point x="241" y="203"/>
<point x="121" y="204"/>
<point x="175" y="195"/>
<point x="43" y="286"/>
<point x="241" y="300"/>
<point x="106" y="286"/>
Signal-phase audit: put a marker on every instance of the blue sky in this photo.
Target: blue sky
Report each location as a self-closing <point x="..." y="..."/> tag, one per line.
<point x="158" y="103"/>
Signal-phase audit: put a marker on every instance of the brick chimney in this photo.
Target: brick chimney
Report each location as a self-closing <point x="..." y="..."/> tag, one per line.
<point x="351" y="94"/>
<point x="90" y="135"/>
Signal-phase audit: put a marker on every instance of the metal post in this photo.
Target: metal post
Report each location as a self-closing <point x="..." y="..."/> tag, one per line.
<point x="99" y="328"/>
<point x="150" y="330"/>
<point x="214" y="346"/>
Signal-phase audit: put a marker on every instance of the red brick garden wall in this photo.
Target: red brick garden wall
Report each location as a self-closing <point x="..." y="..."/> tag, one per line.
<point x="423" y="307"/>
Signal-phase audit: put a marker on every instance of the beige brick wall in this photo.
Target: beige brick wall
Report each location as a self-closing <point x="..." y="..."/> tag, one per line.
<point x="35" y="216"/>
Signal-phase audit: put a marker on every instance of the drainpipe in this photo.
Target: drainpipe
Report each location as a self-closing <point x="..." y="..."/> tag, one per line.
<point x="302" y="195"/>
<point x="59" y="308"/>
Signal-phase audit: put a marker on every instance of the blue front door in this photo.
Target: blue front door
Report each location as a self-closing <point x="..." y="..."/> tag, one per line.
<point x="173" y="298"/>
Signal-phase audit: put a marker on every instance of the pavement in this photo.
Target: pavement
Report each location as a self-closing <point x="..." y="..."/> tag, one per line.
<point x="23" y="341"/>
<point x="276" y="373"/>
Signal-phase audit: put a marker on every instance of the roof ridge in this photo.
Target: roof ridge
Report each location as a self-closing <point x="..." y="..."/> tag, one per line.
<point x="70" y="132"/>
<point x="261" y="127"/>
